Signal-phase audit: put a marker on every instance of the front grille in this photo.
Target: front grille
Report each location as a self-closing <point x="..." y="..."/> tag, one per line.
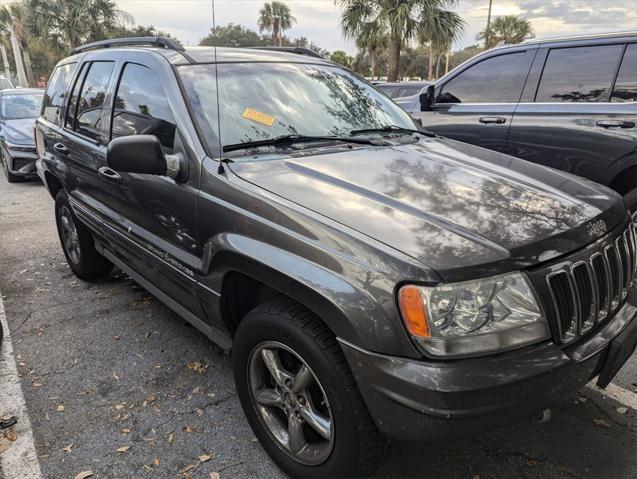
<point x="588" y="289"/>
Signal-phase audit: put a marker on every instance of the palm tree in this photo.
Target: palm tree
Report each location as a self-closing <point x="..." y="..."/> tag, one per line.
<point x="510" y="29"/>
<point x="13" y="21"/>
<point x="369" y="36"/>
<point x="74" y="22"/>
<point x="275" y="17"/>
<point x="439" y="32"/>
<point x="401" y="20"/>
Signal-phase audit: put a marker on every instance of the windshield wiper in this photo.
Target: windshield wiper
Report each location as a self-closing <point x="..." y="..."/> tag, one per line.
<point x="286" y="140"/>
<point x="391" y="129"/>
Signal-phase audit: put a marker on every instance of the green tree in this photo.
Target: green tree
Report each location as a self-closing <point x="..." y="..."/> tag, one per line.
<point x="439" y="32"/>
<point x="74" y="22"/>
<point x="510" y="29"/>
<point x="275" y="17"/>
<point x="342" y="58"/>
<point x="401" y="20"/>
<point x="368" y="35"/>
<point x="232" y="35"/>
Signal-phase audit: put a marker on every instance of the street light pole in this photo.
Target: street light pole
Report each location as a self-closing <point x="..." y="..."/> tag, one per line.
<point x="487" y="31"/>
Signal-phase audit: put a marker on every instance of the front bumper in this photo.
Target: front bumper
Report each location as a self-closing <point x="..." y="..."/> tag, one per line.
<point x="21" y="163"/>
<point x="422" y="401"/>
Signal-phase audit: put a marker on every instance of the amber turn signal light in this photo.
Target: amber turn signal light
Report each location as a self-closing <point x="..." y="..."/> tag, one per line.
<point x="413" y="311"/>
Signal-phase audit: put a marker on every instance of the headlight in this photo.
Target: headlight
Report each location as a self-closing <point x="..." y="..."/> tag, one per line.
<point x="474" y="317"/>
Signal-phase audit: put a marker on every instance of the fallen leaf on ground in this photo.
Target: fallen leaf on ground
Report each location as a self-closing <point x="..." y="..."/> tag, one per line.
<point x="204" y="458"/>
<point x="198" y="367"/>
<point x="171" y="438"/>
<point x="4" y="447"/>
<point x="84" y="475"/>
<point x="601" y="422"/>
<point x="115" y="377"/>
<point x="120" y="406"/>
<point x="123" y="449"/>
<point x="156" y="461"/>
<point x="214" y="475"/>
<point x="531" y="462"/>
<point x="10" y="436"/>
<point x="622" y="410"/>
<point x="125" y="430"/>
<point x="68" y="448"/>
<point x="61" y="407"/>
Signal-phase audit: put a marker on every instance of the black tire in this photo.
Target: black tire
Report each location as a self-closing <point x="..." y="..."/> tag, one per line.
<point x="357" y="446"/>
<point x="85" y="262"/>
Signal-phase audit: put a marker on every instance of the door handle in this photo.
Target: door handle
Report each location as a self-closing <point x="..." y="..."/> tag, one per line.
<point x="60" y="148"/>
<point x="615" y="124"/>
<point x="497" y="120"/>
<point x="109" y="174"/>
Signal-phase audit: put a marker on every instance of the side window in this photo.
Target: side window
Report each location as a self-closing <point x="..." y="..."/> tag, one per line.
<point x="626" y="84"/>
<point x="579" y="74"/>
<point x="75" y="93"/>
<point x="57" y="92"/>
<point x="91" y="100"/>
<point x="494" y="80"/>
<point x="141" y="106"/>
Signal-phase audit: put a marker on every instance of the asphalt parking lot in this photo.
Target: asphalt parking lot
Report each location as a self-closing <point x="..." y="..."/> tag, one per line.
<point x="116" y="384"/>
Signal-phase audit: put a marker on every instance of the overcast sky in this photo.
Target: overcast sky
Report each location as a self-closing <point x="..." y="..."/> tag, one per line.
<point x="318" y="20"/>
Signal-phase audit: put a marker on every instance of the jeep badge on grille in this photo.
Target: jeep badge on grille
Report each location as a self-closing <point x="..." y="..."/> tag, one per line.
<point x="597" y="228"/>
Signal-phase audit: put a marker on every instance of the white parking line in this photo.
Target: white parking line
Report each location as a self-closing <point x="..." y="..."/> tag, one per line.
<point x="619" y="394"/>
<point x="20" y="461"/>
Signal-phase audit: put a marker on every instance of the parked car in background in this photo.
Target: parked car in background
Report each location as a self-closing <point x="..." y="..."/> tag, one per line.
<point x="402" y="89"/>
<point x="372" y="280"/>
<point x="568" y="103"/>
<point x="18" y="110"/>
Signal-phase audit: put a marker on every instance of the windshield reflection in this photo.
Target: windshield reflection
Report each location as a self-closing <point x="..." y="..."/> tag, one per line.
<point x="259" y="101"/>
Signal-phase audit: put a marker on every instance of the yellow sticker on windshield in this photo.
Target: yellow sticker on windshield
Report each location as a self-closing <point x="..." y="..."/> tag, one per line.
<point x="258" y="116"/>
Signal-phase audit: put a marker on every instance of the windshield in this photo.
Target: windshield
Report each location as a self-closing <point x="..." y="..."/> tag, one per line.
<point x="259" y="101"/>
<point x="15" y="107"/>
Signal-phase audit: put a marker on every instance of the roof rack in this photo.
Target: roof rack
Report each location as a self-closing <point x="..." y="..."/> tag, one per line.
<point x="297" y="50"/>
<point x="163" y="42"/>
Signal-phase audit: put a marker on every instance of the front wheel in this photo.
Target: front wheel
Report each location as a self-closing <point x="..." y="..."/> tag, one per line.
<point x="299" y="394"/>
<point x="77" y="242"/>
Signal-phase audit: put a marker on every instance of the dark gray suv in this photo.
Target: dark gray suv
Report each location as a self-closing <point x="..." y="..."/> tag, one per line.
<point x="374" y="281"/>
<point x="569" y="103"/>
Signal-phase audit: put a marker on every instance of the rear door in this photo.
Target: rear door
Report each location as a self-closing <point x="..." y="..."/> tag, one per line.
<point x="571" y="119"/>
<point x="476" y="104"/>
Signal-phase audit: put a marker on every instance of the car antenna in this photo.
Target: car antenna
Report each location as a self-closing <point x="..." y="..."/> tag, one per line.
<point x="221" y="169"/>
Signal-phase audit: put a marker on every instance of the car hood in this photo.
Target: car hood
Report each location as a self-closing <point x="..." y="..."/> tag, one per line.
<point x="20" y="131"/>
<point x="462" y="210"/>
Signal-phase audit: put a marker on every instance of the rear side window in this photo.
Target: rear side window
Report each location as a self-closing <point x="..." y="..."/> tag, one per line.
<point x="626" y="84"/>
<point x="141" y="106"/>
<point x="75" y="93"/>
<point x="57" y="92"/>
<point x="494" y="80"/>
<point x="91" y="100"/>
<point x="580" y="74"/>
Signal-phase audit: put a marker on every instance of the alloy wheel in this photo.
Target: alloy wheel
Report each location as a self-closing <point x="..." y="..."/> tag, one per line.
<point x="70" y="238"/>
<point x="291" y="403"/>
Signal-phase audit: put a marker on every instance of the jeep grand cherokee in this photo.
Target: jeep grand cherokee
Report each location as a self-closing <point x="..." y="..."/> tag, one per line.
<point x="373" y="281"/>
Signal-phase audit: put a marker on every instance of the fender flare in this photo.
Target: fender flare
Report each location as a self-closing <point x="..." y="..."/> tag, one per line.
<point x="346" y="309"/>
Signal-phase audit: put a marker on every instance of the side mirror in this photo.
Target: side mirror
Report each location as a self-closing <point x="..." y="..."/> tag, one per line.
<point x="137" y="154"/>
<point x="427" y="98"/>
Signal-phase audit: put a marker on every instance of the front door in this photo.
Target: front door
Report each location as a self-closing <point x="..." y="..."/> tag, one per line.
<point x="152" y="225"/>
<point x="476" y="104"/>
